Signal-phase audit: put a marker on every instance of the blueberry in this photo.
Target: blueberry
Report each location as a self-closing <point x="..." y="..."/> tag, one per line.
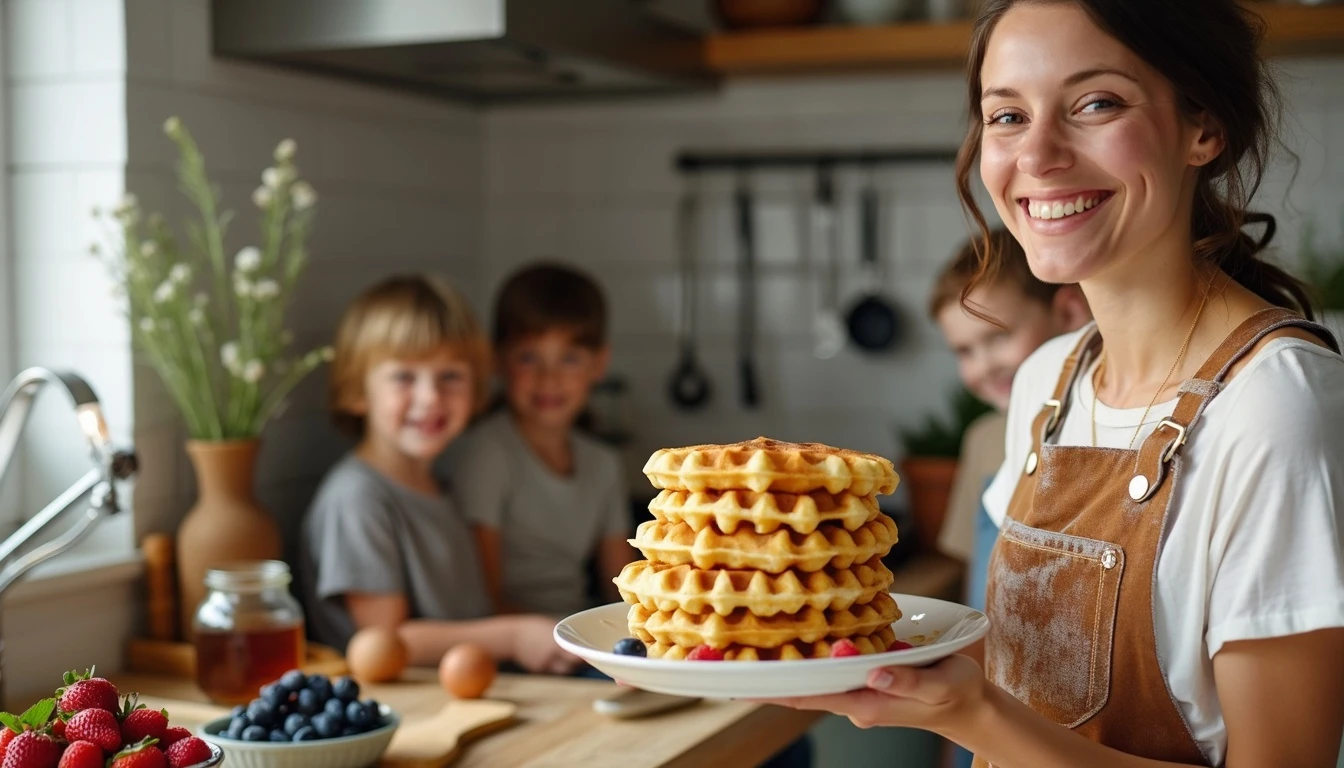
<point x="326" y="726"/>
<point x="293" y="681"/>
<point x="294" y="722"/>
<point x="261" y="713"/>
<point x="630" y="646"/>
<point x="278" y="735"/>
<point x="241" y="709"/>
<point x="255" y="733"/>
<point x="274" y="695"/>
<point x="309" y="703"/>
<point x="375" y="713"/>
<point x="345" y="689"/>
<point x="305" y="733"/>
<point x="236" y="727"/>
<point x="357" y="715"/>
<point x="348" y="731"/>
<point x="320" y="685"/>
<point x="335" y="708"/>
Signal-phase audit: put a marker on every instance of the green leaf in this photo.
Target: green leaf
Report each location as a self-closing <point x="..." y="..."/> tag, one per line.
<point x="11" y="722"/>
<point x="39" y="714"/>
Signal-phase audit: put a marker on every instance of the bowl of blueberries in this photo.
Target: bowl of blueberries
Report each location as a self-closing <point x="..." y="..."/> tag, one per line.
<point x="304" y="721"/>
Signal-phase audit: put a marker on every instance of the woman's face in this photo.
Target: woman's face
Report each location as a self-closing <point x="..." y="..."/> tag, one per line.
<point x="1085" y="151"/>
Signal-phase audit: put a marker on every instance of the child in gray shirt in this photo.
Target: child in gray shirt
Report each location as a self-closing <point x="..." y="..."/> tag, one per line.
<point x="544" y="499"/>
<point x="383" y="543"/>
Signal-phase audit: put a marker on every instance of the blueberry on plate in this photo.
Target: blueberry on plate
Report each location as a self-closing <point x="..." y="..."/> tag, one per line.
<point x="327" y="727"/>
<point x="275" y="694"/>
<point x="357" y="716"/>
<point x="261" y="713"/>
<point x="345" y="689"/>
<point x="294" y="722"/>
<point x="308" y="703"/>
<point x="236" y="727"/>
<point x="375" y="713"/>
<point x="278" y="735"/>
<point x="320" y="685"/>
<point x="335" y="708"/>
<point x="348" y="731"/>
<point x="293" y="681"/>
<point x="306" y="733"/>
<point x="630" y="646"/>
<point x="241" y="709"/>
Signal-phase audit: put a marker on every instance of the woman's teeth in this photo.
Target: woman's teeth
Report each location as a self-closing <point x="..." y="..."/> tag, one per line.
<point x="1056" y="209"/>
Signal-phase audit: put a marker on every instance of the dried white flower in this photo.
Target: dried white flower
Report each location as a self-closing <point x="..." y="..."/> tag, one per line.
<point x="248" y="259"/>
<point x="284" y="151"/>
<point x="165" y="292"/>
<point x="180" y="273"/>
<point x="241" y="287"/>
<point x="262" y="197"/>
<point x="305" y="196"/>
<point x="265" y="289"/>
<point x="196" y="315"/>
<point x="148" y="248"/>
<point x="128" y="202"/>
<point x="271" y="177"/>
<point x="228" y="354"/>
<point x="253" y="371"/>
<point x="172" y="126"/>
<point x="147" y="324"/>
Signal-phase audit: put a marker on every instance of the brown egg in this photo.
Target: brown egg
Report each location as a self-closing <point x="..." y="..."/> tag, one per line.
<point x="376" y="654"/>
<point x="466" y="671"/>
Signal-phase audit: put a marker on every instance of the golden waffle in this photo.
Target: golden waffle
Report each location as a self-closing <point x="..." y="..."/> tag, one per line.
<point x="741" y="627"/>
<point x="664" y="587"/>
<point x="770" y="465"/>
<point x="877" y="642"/>
<point x="829" y="545"/>
<point x="765" y="511"/>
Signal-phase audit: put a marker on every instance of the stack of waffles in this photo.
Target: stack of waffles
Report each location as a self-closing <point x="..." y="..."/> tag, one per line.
<point x="763" y="550"/>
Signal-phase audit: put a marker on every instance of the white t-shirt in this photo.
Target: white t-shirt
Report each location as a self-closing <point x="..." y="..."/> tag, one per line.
<point x="1256" y="521"/>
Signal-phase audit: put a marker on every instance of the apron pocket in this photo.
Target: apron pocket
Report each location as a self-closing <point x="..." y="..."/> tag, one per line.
<point x="1052" y="620"/>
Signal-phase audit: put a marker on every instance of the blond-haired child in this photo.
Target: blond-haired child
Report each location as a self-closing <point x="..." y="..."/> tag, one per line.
<point x="383" y="542"/>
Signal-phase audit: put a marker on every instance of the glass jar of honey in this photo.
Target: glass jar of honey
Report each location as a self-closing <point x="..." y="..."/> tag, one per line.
<point x="248" y="631"/>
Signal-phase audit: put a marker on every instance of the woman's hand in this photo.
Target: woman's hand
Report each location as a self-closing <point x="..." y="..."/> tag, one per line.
<point x="935" y="698"/>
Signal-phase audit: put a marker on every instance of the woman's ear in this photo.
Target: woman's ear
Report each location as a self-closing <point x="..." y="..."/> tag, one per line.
<point x="1208" y="140"/>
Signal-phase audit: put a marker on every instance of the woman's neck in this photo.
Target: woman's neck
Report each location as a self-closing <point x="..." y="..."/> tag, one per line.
<point x="409" y="471"/>
<point x="1146" y="310"/>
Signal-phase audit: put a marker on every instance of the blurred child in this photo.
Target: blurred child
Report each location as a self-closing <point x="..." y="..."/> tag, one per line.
<point x="546" y="501"/>
<point x="383" y="542"/>
<point x="1031" y="312"/>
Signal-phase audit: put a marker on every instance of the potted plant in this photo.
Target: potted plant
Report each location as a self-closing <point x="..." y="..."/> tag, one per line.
<point x="211" y="326"/>
<point x="929" y="465"/>
<point x="1323" y="269"/>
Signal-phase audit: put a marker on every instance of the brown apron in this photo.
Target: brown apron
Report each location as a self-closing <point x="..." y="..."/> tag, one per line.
<point x="1071" y="580"/>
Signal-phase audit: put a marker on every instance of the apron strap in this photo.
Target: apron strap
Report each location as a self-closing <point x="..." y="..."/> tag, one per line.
<point x="1194" y="395"/>
<point x="1048" y="421"/>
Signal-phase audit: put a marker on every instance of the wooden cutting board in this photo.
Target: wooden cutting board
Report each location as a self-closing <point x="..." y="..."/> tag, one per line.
<point x="422" y="741"/>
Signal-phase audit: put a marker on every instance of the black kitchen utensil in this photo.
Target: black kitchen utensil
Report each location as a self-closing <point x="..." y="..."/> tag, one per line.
<point x="689" y="387"/>
<point x="828" y="328"/>
<point x="746" y="289"/>
<point x="874" y="323"/>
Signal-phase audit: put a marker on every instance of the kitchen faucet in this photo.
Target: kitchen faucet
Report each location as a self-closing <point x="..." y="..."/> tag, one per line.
<point x="98" y="483"/>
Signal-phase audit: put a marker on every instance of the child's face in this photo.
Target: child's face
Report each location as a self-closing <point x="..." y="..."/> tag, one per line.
<point x="418" y="406"/>
<point x="547" y="377"/>
<point x="989" y="356"/>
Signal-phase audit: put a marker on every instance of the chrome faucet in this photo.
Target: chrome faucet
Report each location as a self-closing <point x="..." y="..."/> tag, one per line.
<point x="99" y="483"/>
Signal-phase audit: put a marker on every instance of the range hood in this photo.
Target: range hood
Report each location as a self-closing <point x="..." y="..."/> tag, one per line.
<point x="472" y="50"/>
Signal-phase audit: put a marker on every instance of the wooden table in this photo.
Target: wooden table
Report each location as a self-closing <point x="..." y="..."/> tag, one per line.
<point x="556" y="725"/>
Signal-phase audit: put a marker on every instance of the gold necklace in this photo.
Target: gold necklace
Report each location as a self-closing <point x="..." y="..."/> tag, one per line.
<point x="1185" y="345"/>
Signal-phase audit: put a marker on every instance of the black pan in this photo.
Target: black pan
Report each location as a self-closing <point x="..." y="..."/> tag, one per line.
<point x="874" y="322"/>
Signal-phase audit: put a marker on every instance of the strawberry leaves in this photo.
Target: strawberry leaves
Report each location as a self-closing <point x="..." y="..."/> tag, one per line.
<point x="35" y="718"/>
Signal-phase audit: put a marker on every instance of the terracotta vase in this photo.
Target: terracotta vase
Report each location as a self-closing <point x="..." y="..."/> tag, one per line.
<point x="226" y="524"/>
<point x="929" y="481"/>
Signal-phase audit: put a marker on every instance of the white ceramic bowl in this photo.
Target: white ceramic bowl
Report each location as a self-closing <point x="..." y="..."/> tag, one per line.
<point x="341" y="752"/>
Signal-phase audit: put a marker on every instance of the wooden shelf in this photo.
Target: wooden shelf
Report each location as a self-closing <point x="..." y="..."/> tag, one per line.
<point x="1294" y="30"/>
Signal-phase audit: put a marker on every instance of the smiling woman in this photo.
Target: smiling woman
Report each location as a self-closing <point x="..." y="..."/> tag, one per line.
<point x="1169" y="505"/>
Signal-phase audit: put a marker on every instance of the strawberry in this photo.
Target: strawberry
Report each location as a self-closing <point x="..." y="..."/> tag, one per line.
<point x="96" y="725"/>
<point x="82" y="754"/>
<point x="84" y="691"/>
<point x="704" y="653"/>
<point x="142" y="754"/>
<point x="58" y="728"/>
<point x="144" y="723"/>
<point x="187" y="752"/>
<point x="31" y="749"/>
<point x="172" y="735"/>
<point x="900" y="645"/>
<point x="6" y="736"/>
<point x="844" y="647"/>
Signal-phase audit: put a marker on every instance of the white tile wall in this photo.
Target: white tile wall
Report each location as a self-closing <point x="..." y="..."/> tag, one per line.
<point x="594" y="185"/>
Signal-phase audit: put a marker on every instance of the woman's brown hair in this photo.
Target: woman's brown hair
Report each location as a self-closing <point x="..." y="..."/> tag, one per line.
<point x="1207" y="50"/>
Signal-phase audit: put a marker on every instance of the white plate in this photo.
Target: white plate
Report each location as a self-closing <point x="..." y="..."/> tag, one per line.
<point x="937" y="628"/>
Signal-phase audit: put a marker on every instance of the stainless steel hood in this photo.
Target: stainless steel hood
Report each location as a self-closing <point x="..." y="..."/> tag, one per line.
<point x="474" y="50"/>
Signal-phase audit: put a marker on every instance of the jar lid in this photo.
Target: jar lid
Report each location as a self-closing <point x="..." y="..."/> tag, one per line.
<point x="248" y="576"/>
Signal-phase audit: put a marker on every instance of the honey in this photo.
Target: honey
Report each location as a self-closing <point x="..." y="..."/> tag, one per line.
<point x="232" y="666"/>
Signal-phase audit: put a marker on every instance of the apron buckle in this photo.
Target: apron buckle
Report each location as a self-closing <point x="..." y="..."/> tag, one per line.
<point x="1177" y="443"/>
<point x="1054" y="417"/>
